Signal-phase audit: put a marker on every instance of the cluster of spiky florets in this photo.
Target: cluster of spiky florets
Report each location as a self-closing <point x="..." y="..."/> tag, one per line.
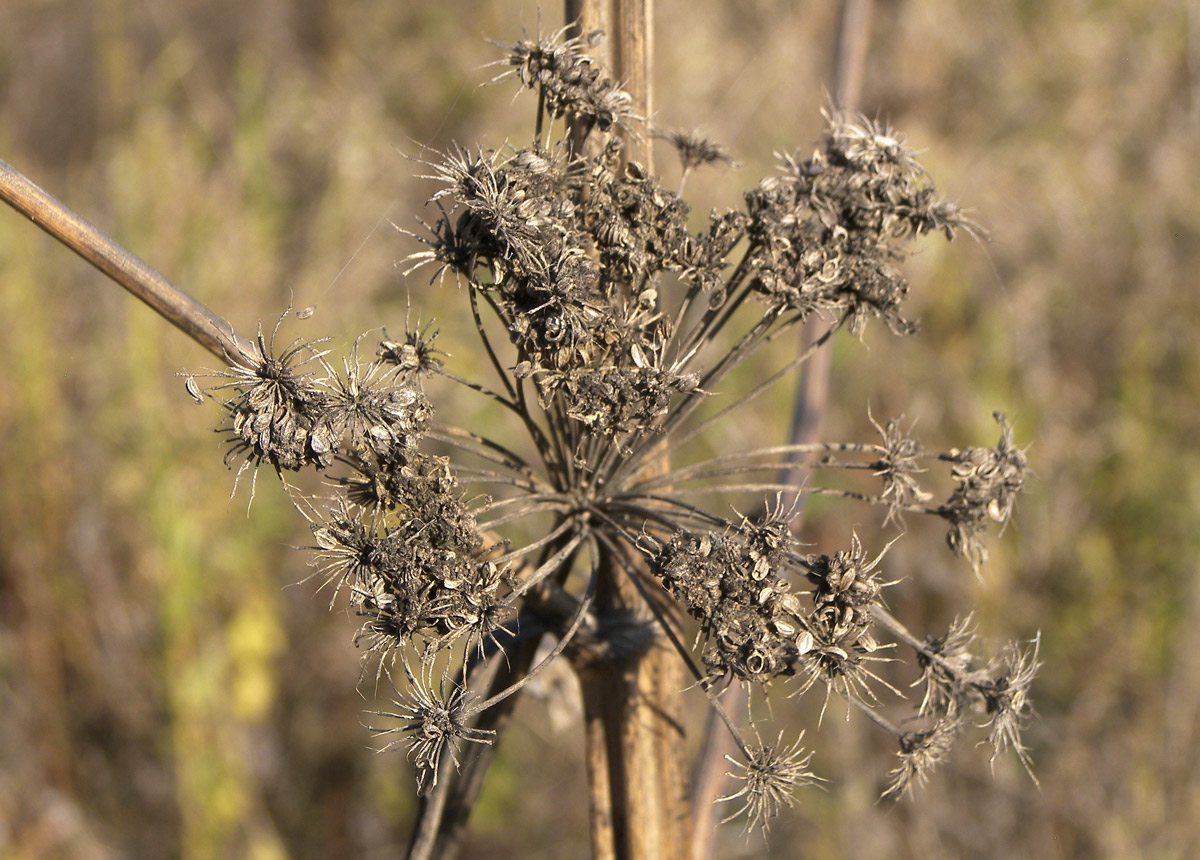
<point x="419" y="569"/>
<point x="753" y="626"/>
<point x="433" y="720"/>
<point x="570" y="81"/>
<point x="619" y="322"/>
<point x="770" y="774"/>
<point x="398" y="538"/>
<point x="987" y="481"/>
<point x="957" y="685"/>
<point x="559" y="251"/>
<point x="285" y="413"/>
<point x="827" y="230"/>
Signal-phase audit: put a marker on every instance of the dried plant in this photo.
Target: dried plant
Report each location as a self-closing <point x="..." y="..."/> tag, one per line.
<point x="620" y="322"/>
<point x="610" y="323"/>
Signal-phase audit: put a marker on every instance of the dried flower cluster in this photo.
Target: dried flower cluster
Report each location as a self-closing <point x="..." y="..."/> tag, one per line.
<point x="618" y="321"/>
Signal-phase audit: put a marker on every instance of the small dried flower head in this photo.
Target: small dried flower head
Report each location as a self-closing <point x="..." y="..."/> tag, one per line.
<point x="771" y="773"/>
<point x="840" y="656"/>
<point x="694" y="149"/>
<point x="433" y="720"/>
<point x="845" y="582"/>
<point x="571" y="82"/>
<point x="274" y="405"/>
<point x="1006" y="694"/>
<point x="415" y="356"/>
<point x="753" y="625"/>
<point x="920" y="752"/>
<point x="987" y="483"/>
<point x="350" y="553"/>
<point x="945" y="663"/>
<point x="367" y="409"/>
<point x="896" y="467"/>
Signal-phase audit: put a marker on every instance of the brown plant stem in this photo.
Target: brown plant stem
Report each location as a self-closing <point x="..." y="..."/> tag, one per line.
<point x="812" y="390"/>
<point x="633" y="732"/>
<point x="131" y="272"/>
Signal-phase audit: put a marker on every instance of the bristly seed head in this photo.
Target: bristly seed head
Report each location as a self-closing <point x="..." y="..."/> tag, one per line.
<point x="771" y="773"/>
<point x="610" y="321"/>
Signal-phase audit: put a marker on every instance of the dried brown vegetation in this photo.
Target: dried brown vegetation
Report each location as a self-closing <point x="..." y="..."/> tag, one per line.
<point x="163" y="690"/>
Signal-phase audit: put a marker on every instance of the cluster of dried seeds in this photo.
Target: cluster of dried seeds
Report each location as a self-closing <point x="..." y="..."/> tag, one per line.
<point x="620" y="321"/>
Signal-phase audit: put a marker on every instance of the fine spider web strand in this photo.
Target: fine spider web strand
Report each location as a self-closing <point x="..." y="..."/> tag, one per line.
<point x="687" y="512"/>
<point x="548" y="538"/>
<point x="480" y="388"/>
<point x="736" y="290"/>
<point x="537" y="501"/>
<point x="517" y="392"/>
<point x="513" y="516"/>
<point x="460" y="438"/>
<point x="753" y="393"/>
<point x="560" y="561"/>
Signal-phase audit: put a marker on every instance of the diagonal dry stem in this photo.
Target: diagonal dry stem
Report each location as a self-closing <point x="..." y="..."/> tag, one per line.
<point x="130" y="271"/>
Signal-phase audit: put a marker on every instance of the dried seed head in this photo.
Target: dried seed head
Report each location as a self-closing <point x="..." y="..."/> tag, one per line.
<point x="987" y="482"/>
<point x="274" y="406"/>
<point x="571" y="82"/>
<point x="920" y="752"/>
<point x="750" y="620"/>
<point x="897" y="466"/>
<point x="432" y="721"/>
<point x="1006" y="695"/>
<point x="771" y="773"/>
<point x="415" y="356"/>
<point x="946" y="662"/>
<point x="694" y="149"/>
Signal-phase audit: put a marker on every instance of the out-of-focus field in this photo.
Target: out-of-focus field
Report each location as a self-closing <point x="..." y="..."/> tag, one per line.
<point x="168" y="690"/>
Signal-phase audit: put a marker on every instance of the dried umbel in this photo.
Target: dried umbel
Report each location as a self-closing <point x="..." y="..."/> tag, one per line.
<point x="608" y="321"/>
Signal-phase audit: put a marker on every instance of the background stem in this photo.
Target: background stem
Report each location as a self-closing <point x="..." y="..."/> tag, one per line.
<point x="709" y="780"/>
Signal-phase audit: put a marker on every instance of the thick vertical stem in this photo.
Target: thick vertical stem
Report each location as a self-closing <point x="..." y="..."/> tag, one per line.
<point x="634" y="736"/>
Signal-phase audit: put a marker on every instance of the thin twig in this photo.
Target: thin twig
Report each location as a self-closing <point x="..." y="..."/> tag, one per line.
<point x="130" y="271"/>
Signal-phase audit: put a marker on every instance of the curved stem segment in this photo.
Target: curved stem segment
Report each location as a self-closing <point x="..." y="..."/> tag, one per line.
<point x="131" y="272"/>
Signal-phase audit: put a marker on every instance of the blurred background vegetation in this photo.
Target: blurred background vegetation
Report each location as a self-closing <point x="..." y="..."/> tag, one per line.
<point x="167" y="690"/>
